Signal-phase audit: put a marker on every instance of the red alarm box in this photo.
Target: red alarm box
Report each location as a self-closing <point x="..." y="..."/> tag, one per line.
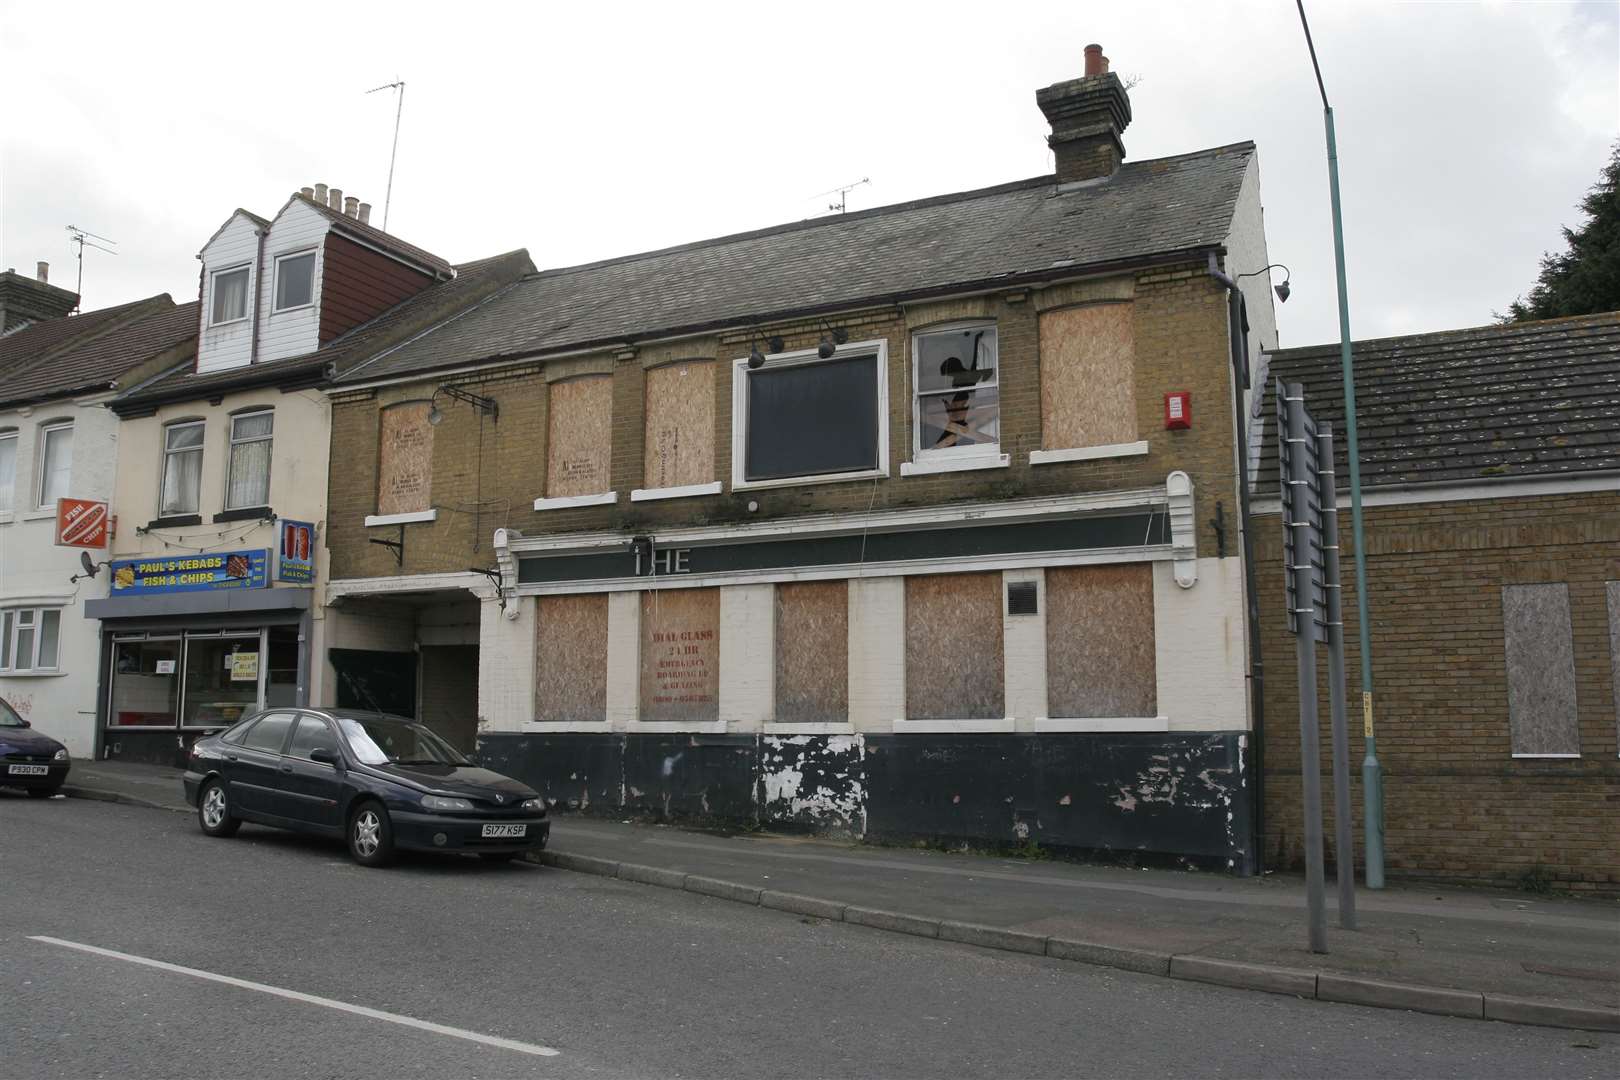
<point x="1178" y="410"/>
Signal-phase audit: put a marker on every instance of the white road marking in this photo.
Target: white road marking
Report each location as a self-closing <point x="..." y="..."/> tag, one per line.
<point x="310" y="999"/>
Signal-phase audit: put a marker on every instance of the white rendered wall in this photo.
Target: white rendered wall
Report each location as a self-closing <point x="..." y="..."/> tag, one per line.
<point x="506" y="660"/>
<point x="1200" y="649"/>
<point x="747" y="656"/>
<point x="877" y="653"/>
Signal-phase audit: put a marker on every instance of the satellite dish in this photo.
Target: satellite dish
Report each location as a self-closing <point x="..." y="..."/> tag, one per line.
<point x="88" y="563"/>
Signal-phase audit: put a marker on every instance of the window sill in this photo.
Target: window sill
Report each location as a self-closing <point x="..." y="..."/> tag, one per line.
<point x="1101" y="724"/>
<point x="809" y="727"/>
<point x="373" y="520"/>
<point x="540" y="727"/>
<point x="564" y="502"/>
<point x="175" y="521"/>
<point x="245" y="513"/>
<point x="1554" y="757"/>
<point x="818" y="478"/>
<point x="966" y="463"/>
<point x="953" y="727"/>
<point x="295" y="307"/>
<point x="671" y="727"/>
<point x="37" y="515"/>
<point x="6" y="518"/>
<point x="685" y="491"/>
<point x="32" y="674"/>
<point x="1089" y="453"/>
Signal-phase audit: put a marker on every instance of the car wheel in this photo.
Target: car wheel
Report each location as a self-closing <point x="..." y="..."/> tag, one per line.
<point x="42" y="792"/>
<point x="371" y="835"/>
<point x="214" y="811"/>
<point x="497" y="856"/>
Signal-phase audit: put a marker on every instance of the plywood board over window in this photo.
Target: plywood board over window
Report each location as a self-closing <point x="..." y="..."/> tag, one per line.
<point x="680" y="424"/>
<point x="1540" y="655"/>
<point x="954" y="654"/>
<point x="405" y="459"/>
<point x="1613" y="588"/>
<point x="1099" y="641"/>
<point x="1088" y="376"/>
<point x="812" y="652"/>
<point x="571" y="638"/>
<point x="680" y="655"/>
<point x="579" y="445"/>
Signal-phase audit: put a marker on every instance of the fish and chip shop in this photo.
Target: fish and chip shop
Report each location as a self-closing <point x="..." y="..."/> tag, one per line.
<point x="192" y="643"/>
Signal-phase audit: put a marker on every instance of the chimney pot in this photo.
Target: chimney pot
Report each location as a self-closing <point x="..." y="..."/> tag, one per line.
<point x="1096" y="63"/>
<point x="334" y="199"/>
<point x="351" y="206"/>
<point x="320" y="194"/>
<point x="307" y="192"/>
<point x="42" y="270"/>
<point x="365" y="213"/>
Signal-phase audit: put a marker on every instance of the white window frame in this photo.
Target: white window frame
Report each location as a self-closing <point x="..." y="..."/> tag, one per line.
<point x="740" y="372"/>
<point x="230" y="455"/>
<point x="11" y="627"/>
<point x="14" y="436"/>
<point x="951" y="458"/>
<point x="275" y="286"/>
<point x="163" y="473"/>
<point x="247" y="294"/>
<point x="41" y="459"/>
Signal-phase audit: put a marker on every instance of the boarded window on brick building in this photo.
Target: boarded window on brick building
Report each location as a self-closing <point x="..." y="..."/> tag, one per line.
<point x="680" y="424"/>
<point x="405" y="459"/>
<point x="1088" y="376"/>
<point x="1099" y="641"/>
<point x="1540" y="655"/>
<point x="680" y="655"/>
<point x="571" y="647"/>
<point x="579" y="444"/>
<point x="1614" y="650"/>
<point x="812" y="652"/>
<point x="954" y="655"/>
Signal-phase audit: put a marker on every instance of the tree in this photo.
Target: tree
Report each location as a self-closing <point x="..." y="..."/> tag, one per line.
<point x="1586" y="278"/>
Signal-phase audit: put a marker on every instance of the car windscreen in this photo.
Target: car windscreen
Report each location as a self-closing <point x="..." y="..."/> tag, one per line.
<point x="8" y="715"/>
<point x="396" y="742"/>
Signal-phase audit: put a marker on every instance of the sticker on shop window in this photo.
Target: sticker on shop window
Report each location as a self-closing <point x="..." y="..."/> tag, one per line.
<point x="165" y="667"/>
<point x="244" y="666"/>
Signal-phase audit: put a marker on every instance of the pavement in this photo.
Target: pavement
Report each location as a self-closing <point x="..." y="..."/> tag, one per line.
<point x="1477" y="953"/>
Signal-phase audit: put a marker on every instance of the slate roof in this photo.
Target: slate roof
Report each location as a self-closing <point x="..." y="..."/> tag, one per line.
<point x="474" y="281"/>
<point x="39" y="339"/>
<point x="1006" y="235"/>
<point x="1522" y="400"/>
<point x="96" y="362"/>
<point x="376" y="237"/>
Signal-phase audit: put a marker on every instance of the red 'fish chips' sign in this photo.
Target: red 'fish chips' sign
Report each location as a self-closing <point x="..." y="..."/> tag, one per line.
<point x="81" y="523"/>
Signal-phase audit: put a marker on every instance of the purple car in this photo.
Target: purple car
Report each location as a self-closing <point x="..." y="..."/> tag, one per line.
<point x="36" y="763"/>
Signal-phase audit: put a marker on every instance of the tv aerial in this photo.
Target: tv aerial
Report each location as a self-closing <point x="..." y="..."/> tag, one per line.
<point x="84" y="238"/>
<point x="388" y="196"/>
<point x="842" y="205"/>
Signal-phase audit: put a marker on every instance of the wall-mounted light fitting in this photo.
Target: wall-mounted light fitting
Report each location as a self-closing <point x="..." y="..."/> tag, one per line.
<point x="773" y="345"/>
<point x="1281" y="290"/>
<point x="488" y="406"/>
<point x="831" y="338"/>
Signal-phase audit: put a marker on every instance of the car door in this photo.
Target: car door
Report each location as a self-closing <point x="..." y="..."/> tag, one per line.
<point x="312" y="789"/>
<point x="253" y="766"/>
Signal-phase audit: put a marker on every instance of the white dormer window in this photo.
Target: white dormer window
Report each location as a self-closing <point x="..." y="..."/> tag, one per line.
<point x="295" y="281"/>
<point x="230" y="296"/>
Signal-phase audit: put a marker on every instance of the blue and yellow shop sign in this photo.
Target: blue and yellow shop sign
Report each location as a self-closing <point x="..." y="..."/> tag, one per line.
<point x="189" y="573"/>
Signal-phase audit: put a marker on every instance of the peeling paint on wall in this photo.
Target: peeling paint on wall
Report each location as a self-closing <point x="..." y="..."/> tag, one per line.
<point x="818" y="780"/>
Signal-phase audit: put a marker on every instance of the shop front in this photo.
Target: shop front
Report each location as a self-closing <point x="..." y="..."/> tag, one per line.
<point x="189" y="645"/>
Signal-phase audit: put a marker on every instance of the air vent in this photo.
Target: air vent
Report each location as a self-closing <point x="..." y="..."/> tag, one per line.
<point x="1021" y="598"/>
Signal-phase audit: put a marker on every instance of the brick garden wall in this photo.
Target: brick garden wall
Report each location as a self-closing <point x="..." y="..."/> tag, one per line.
<point x="1457" y="805"/>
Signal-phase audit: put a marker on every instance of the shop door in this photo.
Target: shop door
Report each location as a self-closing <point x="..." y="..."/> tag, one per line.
<point x="380" y="681"/>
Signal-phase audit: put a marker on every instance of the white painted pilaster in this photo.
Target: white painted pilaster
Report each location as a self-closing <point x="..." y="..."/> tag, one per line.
<point x="623" y="659"/>
<point x="1024" y="648"/>
<point x="877" y="653"/>
<point x="506" y="648"/>
<point x="747" y="656"/>
<point x="1200" y="651"/>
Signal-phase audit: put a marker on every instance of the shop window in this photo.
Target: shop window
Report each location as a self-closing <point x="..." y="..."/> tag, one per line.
<point x="230" y="294"/>
<point x="579" y="448"/>
<point x="680" y="655"/>
<point x="55" y="464"/>
<point x="145" y="683"/>
<point x="954" y="654"/>
<point x="182" y="467"/>
<point x="803" y="418"/>
<point x="222" y="680"/>
<point x="680" y="425"/>
<point x="957" y="401"/>
<point x="812" y="651"/>
<point x="248" y="481"/>
<point x="29" y="639"/>
<point x="1088" y="377"/>
<point x="8" y="471"/>
<point x="1100" y="650"/>
<point x="1540" y="655"/>
<point x="295" y="281"/>
<point x="571" y="641"/>
<point x="405" y="459"/>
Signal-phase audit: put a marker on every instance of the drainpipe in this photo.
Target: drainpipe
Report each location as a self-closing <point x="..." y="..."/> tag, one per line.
<point x="258" y="265"/>
<point x="1257" y="680"/>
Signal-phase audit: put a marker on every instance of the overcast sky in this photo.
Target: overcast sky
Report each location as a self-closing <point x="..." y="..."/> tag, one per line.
<point x="1467" y="131"/>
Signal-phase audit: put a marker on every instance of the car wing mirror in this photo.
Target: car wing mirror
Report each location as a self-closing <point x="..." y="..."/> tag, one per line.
<point x="25" y="723"/>
<point x="325" y="755"/>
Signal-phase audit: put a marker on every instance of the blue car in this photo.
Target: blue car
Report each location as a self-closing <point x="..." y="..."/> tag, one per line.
<point x="381" y="783"/>
<point x="36" y="763"/>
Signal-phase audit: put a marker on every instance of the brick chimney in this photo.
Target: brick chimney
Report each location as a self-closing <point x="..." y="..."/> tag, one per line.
<point x="1087" y="115"/>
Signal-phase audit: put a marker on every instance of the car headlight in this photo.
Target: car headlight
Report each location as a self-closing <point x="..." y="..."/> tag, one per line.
<point x="532" y="804"/>
<point x="441" y="802"/>
<point x="60" y="755"/>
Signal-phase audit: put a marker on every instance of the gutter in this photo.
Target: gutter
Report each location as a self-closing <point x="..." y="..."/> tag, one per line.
<point x="1257" y="677"/>
<point x="258" y="268"/>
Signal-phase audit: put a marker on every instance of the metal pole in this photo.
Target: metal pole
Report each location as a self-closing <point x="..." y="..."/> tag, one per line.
<point x="1372" y="774"/>
<point x="1310" y="752"/>
<point x="1344" y="839"/>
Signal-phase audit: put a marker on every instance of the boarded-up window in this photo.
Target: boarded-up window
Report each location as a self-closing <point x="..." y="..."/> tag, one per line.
<point x="1540" y="652"/>
<point x="954" y="668"/>
<point x="1099" y="641"/>
<point x="680" y="424"/>
<point x="812" y="651"/>
<point x="1614" y="650"/>
<point x="1088" y="376"/>
<point x="405" y="459"/>
<point x="680" y="655"/>
<point x="579" y="446"/>
<point x="571" y="643"/>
